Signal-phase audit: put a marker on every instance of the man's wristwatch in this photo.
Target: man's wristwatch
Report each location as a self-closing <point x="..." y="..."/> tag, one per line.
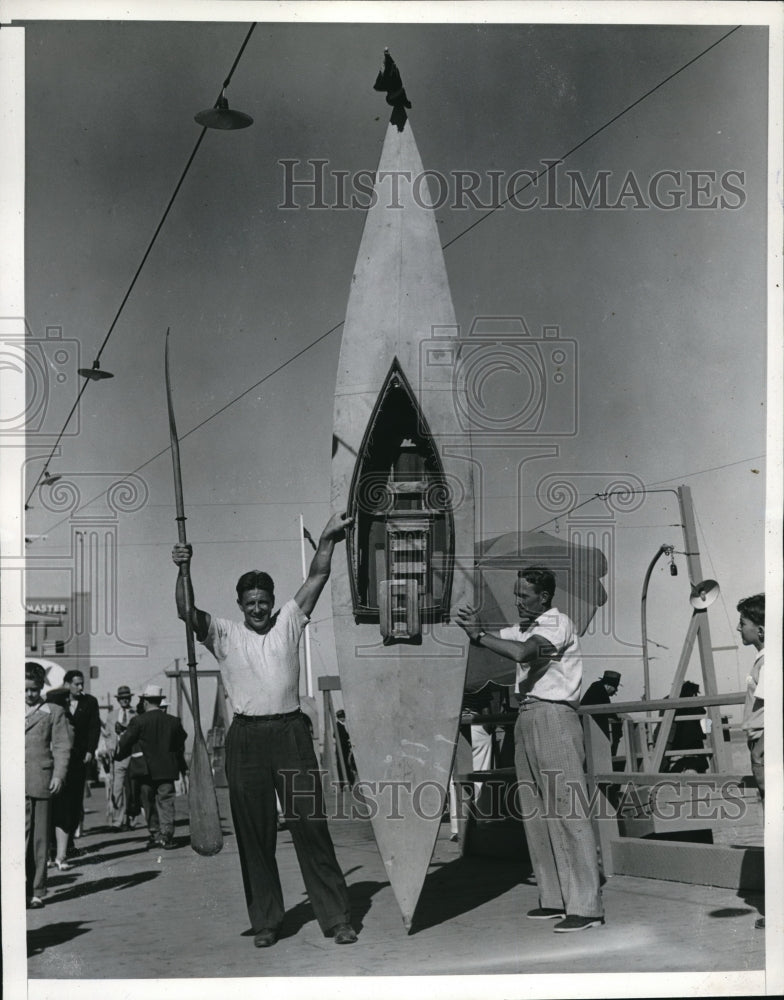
<point x="475" y="640"/>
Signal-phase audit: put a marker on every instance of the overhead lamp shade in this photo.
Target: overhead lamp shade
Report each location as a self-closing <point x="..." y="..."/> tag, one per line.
<point x="704" y="594"/>
<point x="96" y="373"/>
<point x="222" y="117"/>
<point x="48" y="479"/>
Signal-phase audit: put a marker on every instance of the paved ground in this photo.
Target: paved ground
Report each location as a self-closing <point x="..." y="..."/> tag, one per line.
<point x="126" y="913"/>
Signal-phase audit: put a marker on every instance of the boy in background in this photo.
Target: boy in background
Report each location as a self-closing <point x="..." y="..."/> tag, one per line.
<point x="752" y="632"/>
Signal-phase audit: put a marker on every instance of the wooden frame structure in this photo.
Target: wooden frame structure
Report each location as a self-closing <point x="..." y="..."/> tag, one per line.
<point x="697" y="795"/>
<point x="621" y="831"/>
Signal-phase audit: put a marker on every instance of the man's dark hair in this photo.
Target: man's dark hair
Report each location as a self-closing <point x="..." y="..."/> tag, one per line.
<point x="689" y="689"/>
<point x="70" y="674"/>
<point x="540" y="578"/>
<point x="35" y="672"/>
<point x="753" y="608"/>
<point x="254" y="579"/>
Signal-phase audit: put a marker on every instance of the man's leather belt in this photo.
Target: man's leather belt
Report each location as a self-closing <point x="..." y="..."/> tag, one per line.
<point x="277" y="717"/>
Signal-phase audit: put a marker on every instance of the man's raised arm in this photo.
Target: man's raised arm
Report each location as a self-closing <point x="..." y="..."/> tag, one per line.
<point x="199" y="621"/>
<point x="310" y="591"/>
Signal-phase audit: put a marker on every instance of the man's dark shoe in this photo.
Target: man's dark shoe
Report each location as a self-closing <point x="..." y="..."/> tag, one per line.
<point x="574" y="923"/>
<point x="265" y="939"/>
<point x="759" y="924"/>
<point x="344" y="934"/>
<point x="167" y="843"/>
<point x="545" y="913"/>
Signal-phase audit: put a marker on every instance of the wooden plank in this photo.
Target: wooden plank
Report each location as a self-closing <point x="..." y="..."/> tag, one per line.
<point x="463" y="792"/>
<point x="662" y="704"/>
<point x="634" y="707"/>
<point x="328" y="758"/>
<point x="698" y="864"/>
<point x="655" y="778"/>
<point x="329" y="682"/>
<point x="629" y="777"/>
<point x="597" y="756"/>
<point x="333" y="733"/>
<point x="692" y="547"/>
<point x="663" y="734"/>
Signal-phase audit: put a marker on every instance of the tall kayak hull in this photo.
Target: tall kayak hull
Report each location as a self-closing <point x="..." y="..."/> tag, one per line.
<point x="402" y="698"/>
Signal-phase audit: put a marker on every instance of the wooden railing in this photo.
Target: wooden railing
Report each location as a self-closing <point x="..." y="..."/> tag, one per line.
<point x="640" y="770"/>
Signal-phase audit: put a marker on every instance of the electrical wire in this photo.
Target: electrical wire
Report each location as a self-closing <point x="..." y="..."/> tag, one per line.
<point x="138" y="270"/>
<point x="553" y="164"/>
<point x="503" y="496"/>
<point x="338" y="325"/>
<point x="494" y="496"/>
<point x="473" y="225"/>
<point x="601" y="496"/>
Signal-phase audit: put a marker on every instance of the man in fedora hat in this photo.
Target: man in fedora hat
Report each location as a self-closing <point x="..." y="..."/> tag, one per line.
<point x="119" y="793"/>
<point x="600" y="693"/>
<point x="161" y="740"/>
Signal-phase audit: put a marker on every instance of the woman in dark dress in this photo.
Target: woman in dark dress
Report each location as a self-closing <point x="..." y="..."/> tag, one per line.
<point x="81" y="711"/>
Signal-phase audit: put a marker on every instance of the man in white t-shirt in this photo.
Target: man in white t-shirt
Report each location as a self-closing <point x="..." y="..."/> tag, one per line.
<point x="549" y="751"/>
<point x="269" y="748"/>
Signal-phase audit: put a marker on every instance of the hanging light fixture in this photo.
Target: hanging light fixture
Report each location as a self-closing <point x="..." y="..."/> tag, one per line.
<point x="49" y="479"/>
<point x="96" y="373"/>
<point x="222" y="117"/>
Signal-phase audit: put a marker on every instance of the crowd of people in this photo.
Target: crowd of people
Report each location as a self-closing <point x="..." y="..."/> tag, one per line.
<point x="271" y="764"/>
<point x="64" y="736"/>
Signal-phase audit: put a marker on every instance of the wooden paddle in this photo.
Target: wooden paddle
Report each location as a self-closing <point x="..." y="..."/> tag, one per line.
<point x="205" y="824"/>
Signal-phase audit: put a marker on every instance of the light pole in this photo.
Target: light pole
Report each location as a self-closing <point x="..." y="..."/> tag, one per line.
<point x="664" y="550"/>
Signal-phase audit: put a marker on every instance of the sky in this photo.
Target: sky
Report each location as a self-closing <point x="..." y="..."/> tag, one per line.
<point x="662" y="309"/>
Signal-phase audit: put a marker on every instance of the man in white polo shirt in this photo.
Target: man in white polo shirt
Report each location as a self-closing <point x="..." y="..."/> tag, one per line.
<point x="269" y="748"/>
<point x="549" y="751"/>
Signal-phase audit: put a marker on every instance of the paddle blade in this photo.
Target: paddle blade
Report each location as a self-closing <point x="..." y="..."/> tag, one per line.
<point x="206" y="834"/>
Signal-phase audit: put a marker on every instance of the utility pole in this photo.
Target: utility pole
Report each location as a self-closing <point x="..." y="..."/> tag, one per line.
<point x="179" y="686"/>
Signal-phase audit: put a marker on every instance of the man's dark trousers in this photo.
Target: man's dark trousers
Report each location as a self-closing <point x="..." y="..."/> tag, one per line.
<point x="158" y="803"/>
<point x="259" y="749"/>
